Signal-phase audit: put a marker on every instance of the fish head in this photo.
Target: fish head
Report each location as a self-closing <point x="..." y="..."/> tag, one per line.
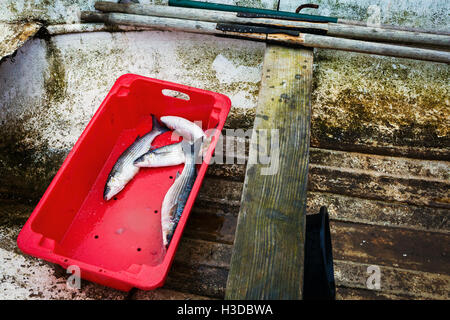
<point x="145" y="160"/>
<point x="112" y="187"/>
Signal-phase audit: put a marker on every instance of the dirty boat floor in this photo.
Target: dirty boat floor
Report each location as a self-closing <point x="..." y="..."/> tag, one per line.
<point x="386" y="211"/>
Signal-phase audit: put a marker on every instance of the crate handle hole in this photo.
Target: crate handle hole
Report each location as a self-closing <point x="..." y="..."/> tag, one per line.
<point x="175" y="94"/>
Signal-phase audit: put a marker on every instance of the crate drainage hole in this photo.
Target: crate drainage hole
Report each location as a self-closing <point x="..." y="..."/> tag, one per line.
<point x="96" y="236"/>
<point x="139" y="249"/>
<point x="156" y="211"/>
<point x="170" y="177"/>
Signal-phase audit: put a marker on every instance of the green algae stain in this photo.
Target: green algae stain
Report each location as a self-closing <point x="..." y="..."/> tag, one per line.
<point x="27" y="162"/>
<point x="55" y="82"/>
<point x="380" y="101"/>
<point x="26" y="169"/>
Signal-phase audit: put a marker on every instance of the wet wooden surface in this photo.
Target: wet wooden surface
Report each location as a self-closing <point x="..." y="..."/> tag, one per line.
<point x="409" y="242"/>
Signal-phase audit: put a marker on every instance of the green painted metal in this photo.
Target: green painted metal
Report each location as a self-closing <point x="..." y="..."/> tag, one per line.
<point x="232" y="8"/>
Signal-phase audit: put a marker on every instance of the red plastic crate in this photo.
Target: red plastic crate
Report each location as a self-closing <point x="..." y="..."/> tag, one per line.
<point x="118" y="243"/>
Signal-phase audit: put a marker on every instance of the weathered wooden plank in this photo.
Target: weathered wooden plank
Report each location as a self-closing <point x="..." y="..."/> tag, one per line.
<point x="197" y="279"/>
<point x="345" y="293"/>
<point x="341" y="208"/>
<point x="382" y="245"/>
<point x="352" y="30"/>
<point x="206" y="276"/>
<point x="212" y="223"/>
<point x="386" y="165"/>
<point x="200" y="267"/>
<point x="381" y="213"/>
<point x="205" y="253"/>
<point x="413" y="250"/>
<point x="267" y="261"/>
<point x="416" y="284"/>
<point x="387" y="197"/>
<point x="227" y="192"/>
<point x="434" y="193"/>
<point x="384" y="178"/>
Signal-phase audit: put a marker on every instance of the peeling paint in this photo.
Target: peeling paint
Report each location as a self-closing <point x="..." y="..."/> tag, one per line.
<point x="13" y="36"/>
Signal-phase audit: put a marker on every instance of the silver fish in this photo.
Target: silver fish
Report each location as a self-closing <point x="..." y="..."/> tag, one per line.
<point x="176" y="198"/>
<point x="187" y="129"/>
<point x="170" y="155"/>
<point x="124" y="170"/>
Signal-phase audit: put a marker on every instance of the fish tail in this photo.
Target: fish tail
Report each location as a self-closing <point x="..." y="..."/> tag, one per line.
<point x="157" y="126"/>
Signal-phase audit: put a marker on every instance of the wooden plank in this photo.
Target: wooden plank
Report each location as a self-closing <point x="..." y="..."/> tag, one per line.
<point x="381" y="245"/>
<point x="381" y="213"/>
<point x="267" y="261"/>
<point x="385" y="199"/>
<point x="344" y="293"/>
<point x="376" y="164"/>
<point x="212" y="223"/>
<point x="416" y="191"/>
<point x="416" y="284"/>
<point x="384" y="246"/>
<point x="386" y="165"/>
<point x="419" y="192"/>
<point x="298" y="40"/>
<point x="395" y="179"/>
<point x="200" y="267"/>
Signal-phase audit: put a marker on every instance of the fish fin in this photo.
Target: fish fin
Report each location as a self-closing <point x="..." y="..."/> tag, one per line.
<point x="177" y="175"/>
<point x="156" y="126"/>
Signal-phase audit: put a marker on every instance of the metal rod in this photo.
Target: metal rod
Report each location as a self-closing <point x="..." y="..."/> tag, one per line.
<point x="290" y="15"/>
<point x="307" y="40"/>
<point x="330" y="29"/>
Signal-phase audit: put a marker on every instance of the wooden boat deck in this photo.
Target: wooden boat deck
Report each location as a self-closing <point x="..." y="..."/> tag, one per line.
<point x="407" y="239"/>
<point x="378" y="160"/>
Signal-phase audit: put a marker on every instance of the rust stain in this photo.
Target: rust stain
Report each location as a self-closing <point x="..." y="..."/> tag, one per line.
<point x="29" y="29"/>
